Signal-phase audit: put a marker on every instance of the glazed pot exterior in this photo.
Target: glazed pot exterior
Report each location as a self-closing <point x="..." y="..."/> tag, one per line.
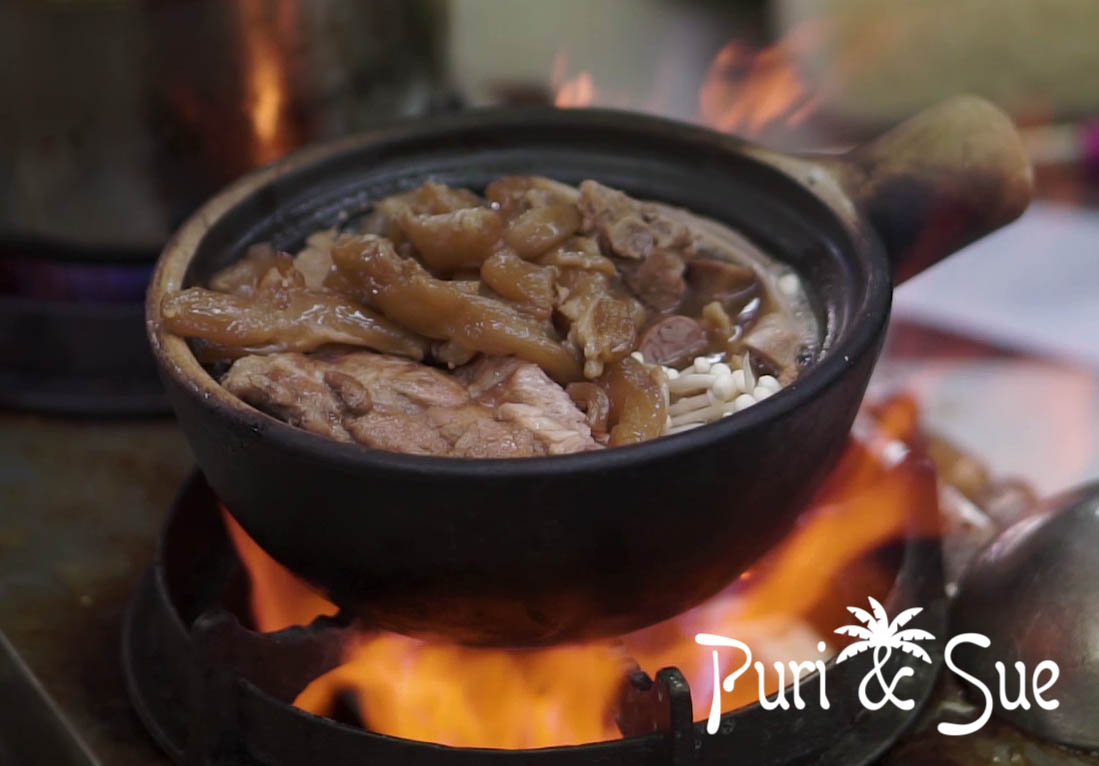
<point x="542" y="550"/>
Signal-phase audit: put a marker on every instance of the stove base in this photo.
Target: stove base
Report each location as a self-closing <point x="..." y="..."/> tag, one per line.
<point x="214" y="692"/>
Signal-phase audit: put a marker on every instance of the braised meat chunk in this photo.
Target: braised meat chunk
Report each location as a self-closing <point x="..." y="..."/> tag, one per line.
<point x="514" y="195"/>
<point x="243" y="277"/>
<point x="534" y="318"/>
<point x="527" y="285"/>
<point x="407" y="293"/>
<point x="292" y="387"/>
<point x="643" y="233"/>
<point x="626" y="227"/>
<point x="602" y="319"/>
<point x="450" y="242"/>
<point x="673" y="341"/>
<point x="379" y="401"/>
<point x="596" y="405"/>
<point x="637" y="408"/>
<point x="498" y="407"/>
<point x="281" y="314"/>
<point x="521" y="393"/>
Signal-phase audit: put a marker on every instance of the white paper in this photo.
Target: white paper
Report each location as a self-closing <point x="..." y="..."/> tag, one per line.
<point x="1033" y="286"/>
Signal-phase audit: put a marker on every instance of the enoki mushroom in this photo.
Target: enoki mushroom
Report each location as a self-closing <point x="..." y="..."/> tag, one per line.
<point x="710" y="389"/>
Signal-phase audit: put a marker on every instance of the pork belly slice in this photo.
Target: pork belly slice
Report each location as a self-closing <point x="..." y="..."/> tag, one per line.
<point x="395" y="404"/>
<point x="521" y="393"/>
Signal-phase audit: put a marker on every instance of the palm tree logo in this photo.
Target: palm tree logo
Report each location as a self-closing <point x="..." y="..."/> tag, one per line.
<point x="878" y="633"/>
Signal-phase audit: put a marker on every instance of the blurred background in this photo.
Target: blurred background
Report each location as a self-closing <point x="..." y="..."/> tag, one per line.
<point x="118" y="117"/>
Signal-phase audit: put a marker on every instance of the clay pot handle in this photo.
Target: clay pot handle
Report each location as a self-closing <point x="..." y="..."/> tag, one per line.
<point x="938" y="181"/>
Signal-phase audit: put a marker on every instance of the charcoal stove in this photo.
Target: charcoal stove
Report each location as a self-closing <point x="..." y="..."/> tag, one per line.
<point x="212" y="690"/>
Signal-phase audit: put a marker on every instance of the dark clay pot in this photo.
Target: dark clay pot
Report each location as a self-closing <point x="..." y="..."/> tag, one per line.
<point x="543" y="550"/>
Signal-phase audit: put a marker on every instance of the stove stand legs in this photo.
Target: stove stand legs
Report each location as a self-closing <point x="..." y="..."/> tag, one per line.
<point x="660" y="705"/>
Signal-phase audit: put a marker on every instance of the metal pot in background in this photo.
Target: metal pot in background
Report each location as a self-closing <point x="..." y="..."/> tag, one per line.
<point x="119" y="117"/>
<point x="125" y="115"/>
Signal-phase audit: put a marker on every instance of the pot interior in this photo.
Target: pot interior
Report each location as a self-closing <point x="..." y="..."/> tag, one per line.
<point x="648" y="158"/>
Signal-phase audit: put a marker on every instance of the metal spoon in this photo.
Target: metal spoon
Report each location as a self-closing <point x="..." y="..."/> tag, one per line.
<point x="1034" y="592"/>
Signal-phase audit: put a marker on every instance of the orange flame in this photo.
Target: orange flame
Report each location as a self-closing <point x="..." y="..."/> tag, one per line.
<point x="267" y="79"/>
<point x="278" y="599"/>
<point x="470" y="697"/>
<point x="571" y="92"/>
<point x="747" y="91"/>
<point x="882" y="488"/>
<point x="576" y="92"/>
